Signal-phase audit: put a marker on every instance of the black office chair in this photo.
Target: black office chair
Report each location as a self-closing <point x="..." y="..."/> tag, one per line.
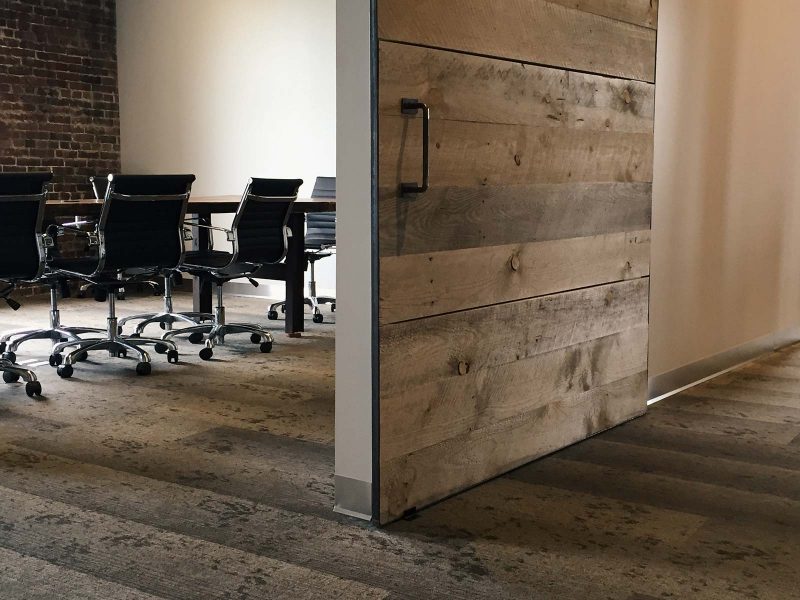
<point x="23" y="249"/>
<point x="139" y="234"/>
<point x="320" y="242"/>
<point x="99" y="187"/>
<point x="11" y="341"/>
<point x="259" y="236"/>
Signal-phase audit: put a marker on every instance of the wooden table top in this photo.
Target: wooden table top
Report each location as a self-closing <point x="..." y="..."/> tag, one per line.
<point x="197" y="204"/>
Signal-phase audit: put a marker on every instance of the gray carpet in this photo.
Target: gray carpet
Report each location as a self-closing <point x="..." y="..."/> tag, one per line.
<point x="214" y="480"/>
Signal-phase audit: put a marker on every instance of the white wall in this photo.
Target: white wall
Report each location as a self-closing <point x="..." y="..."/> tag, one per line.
<point x="726" y="222"/>
<point x="354" y="220"/>
<point x="230" y="90"/>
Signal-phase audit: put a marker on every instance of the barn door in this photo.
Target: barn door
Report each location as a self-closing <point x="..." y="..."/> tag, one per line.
<point x="514" y="280"/>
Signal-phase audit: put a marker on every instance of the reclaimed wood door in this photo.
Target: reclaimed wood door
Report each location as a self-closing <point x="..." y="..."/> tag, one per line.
<point x="513" y="290"/>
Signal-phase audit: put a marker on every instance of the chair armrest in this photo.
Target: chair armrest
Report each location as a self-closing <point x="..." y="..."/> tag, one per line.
<point x="228" y="232"/>
<point x="91" y="236"/>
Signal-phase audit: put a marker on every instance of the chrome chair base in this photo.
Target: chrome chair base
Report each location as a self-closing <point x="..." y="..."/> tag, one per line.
<point x="115" y="344"/>
<point x="214" y="333"/>
<point x="13" y="373"/>
<point x="312" y="300"/>
<point x="11" y="341"/>
<point x="168" y="316"/>
<point x="315" y="302"/>
<point x="167" y="319"/>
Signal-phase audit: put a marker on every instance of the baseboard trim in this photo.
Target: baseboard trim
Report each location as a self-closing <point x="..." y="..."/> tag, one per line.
<point x="265" y="290"/>
<point x="353" y="497"/>
<point x="694" y="373"/>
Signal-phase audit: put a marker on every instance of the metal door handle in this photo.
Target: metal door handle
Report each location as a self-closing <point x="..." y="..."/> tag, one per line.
<point x="410" y="107"/>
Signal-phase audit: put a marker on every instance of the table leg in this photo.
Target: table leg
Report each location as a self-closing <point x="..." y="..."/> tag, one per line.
<point x="201" y="296"/>
<point x="295" y="275"/>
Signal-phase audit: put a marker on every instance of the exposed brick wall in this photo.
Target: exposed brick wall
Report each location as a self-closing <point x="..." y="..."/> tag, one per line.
<point x="59" y="106"/>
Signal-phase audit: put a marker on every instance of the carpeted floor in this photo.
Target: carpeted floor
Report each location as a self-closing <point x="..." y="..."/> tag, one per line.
<point x="215" y="480"/>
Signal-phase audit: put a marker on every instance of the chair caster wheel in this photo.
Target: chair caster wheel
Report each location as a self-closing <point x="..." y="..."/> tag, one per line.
<point x="10" y="357"/>
<point x="317" y="318"/>
<point x="272" y="315"/>
<point x="65" y="372"/>
<point x="173" y="356"/>
<point x="196" y="338"/>
<point x="55" y="360"/>
<point x="122" y="353"/>
<point x="255" y="338"/>
<point x="333" y="307"/>
<point x="102" y="296"/>
<point x="161" y="348"/>
<point x="81" y="294"/>
<point x="206" y="353"/>
<point x="33" y="388"/>
<point x="283" y="309"/>
<point x="2" y="347"/>
<point x="119" y="329"/>
<point x="266" y="347"/>
<point x="82" y="356"/>
<point x="143" y="368"/>
<point x="10" y="377"/>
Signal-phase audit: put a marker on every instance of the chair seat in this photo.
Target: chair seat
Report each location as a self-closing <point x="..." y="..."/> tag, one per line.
<point x="213" y="259"/>
<point x="316" y="255"/>
<point x="86" y="267"/>
<point x="215" y="263"/>
<point x="82" y="265"/>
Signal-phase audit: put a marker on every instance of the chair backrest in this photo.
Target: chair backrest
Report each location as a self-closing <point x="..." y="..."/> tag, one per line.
<point x="324" y="187"/>
<point x="259" y="227"/>
<point x="141" y="224"/>
<point x="22" y="201"/>
<point x="321" y="227"/>
<point x="99" y="185"/>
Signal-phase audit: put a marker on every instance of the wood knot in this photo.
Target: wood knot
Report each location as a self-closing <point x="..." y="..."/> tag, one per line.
<point x="514" y="262"/>
<point x="626" y="96"/>
<point x="517" y="159"/>
<point x="463" y="368"/>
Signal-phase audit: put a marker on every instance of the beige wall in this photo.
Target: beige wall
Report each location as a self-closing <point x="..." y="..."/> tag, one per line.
<point x="726" y="239"/>
<point x="230" y="90"/>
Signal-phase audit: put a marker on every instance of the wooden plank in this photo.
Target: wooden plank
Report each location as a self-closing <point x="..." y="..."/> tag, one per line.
<point x="427" y="350"/>
<point x="421" y="285"/>
<point x="637" y="12"/>
<point x="472" y="154"/>
<point x="417" y="479"/>
<point x="470" y="386"/>
<point x="475" y="217"/>
<point x="532" y="31"/>
<point x="461" y="87"/>
<point x="421" y="416"/>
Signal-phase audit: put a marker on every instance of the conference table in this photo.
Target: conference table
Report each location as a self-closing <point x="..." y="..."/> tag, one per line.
<point x="292" y="270"/>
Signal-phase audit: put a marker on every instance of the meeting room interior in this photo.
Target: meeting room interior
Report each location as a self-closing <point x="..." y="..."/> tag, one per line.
<point x="168" y="173"/>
